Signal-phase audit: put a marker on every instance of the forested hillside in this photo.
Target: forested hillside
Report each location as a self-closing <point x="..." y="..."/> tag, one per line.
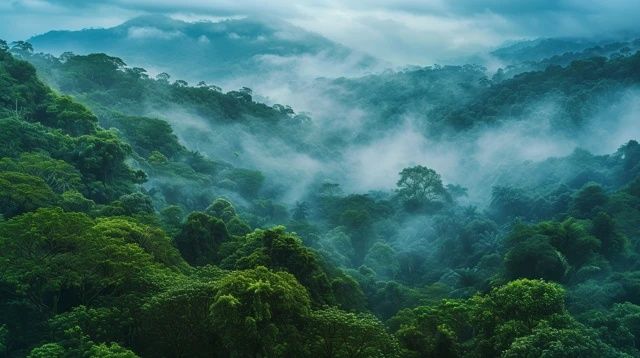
<point x="461" y="97"/>
<point x="538" y="54"/>
<point x="143" y="216"/>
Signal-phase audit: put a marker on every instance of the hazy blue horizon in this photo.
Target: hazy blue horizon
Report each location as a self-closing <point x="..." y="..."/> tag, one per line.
<point x="400" y="32"/>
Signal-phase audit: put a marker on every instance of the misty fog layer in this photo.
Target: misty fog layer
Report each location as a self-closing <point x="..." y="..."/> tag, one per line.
<point x="475" y="159"/>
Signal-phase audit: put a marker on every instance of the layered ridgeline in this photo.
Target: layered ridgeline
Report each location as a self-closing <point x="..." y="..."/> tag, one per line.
<point x="115" y="242"/>
<point x="452" y="111"/>
<point x="539" y="53"/>
<point x="465" y="96"/>
<point x="212" y="51"/>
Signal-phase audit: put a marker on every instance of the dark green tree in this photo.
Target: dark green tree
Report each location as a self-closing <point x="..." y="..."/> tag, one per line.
<point x="420" y="187"/>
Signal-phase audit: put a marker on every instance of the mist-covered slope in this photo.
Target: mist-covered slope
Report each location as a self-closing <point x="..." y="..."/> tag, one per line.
<point x="465" y="96"/>
<point x="538" y="54"/>
<point x="453" y="118"/>
<point x="212" y="51"/>
<point x="546" y="48"/>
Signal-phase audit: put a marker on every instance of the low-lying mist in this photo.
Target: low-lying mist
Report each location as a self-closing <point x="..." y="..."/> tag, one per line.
<point x="362" y="155"/>
<point x="360" y="144"/>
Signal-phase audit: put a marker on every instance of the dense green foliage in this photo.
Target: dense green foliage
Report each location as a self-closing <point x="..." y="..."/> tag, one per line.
<point x="123" y="242"/>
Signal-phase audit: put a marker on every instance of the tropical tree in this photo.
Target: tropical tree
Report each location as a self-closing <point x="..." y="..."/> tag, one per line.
<point x="420" y="187"/>
<point x="336" y="333"/>
<point x="259" y="312"/>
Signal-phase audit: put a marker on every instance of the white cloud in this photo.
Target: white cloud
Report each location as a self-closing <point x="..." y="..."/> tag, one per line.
<point x="140" y="33"/>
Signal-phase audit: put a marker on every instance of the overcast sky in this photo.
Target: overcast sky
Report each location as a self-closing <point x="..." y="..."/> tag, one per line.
<point x="400" y="31"/>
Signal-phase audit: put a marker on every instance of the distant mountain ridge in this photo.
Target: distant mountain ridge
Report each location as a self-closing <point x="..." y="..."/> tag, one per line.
<point x="548" y="50"/>
<point x="201" y="50"/>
